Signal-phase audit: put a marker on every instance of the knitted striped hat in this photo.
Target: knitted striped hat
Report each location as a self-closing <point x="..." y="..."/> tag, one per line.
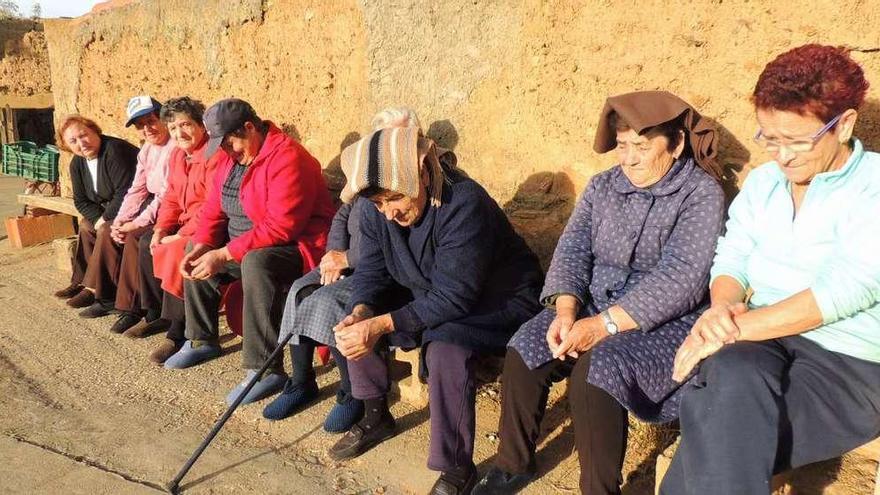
<point x="391" y="159"/>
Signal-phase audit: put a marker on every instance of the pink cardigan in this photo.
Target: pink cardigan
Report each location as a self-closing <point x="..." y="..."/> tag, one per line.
<point x="151" y="177"/>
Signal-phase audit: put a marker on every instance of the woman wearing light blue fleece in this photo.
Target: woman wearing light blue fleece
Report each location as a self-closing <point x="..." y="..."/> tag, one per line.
<point x="792" y="374"/>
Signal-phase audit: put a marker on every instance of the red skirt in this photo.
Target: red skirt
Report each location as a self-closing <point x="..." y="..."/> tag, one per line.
<point x="166" y="265"/>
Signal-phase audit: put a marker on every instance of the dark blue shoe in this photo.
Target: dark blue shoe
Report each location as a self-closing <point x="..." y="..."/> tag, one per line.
<point x="266" y="386"/>
<point x="345" y="413"/>
<point x="498" y="482"/>
<point x="292" y="399"/>
<point x="190" y="355"/>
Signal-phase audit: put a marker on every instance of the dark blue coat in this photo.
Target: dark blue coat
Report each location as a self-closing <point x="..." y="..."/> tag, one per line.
<point x="460" y="275"/>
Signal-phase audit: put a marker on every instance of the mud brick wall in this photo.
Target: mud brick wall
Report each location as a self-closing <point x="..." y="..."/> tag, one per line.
<point x="514" y="87"/>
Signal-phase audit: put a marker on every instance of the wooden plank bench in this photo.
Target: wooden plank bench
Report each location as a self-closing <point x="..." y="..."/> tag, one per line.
<point x="870" y="450"/>
<point x="54" y="203"/>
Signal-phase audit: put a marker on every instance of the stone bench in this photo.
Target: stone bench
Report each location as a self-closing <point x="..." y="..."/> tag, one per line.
<point x="870" y="450"/>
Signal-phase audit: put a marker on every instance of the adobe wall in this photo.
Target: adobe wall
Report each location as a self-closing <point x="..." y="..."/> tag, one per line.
<point x="24" y="64"/>
<point x="514" y="87"/>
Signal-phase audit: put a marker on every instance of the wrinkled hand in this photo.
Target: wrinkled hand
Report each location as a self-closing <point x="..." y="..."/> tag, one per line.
<point x="119" y="231"/>
<point x="716" y="323"/>
<point x="355" y="340"/>
<point x="693" y="350"/>
<point x="187" y="263"/>
<point x="584" y="334"/>
<point x="333" y="263"/>
<point x="558" y="330"/>
<point x="209" y="264"/>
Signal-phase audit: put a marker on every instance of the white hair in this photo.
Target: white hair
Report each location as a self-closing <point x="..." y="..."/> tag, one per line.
<point x="396" y="117"/>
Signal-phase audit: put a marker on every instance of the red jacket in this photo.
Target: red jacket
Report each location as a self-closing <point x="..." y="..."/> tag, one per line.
<point x="283" y="193"/>
<point x="188" y="183"/>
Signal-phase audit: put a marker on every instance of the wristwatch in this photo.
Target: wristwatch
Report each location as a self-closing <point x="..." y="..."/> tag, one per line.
<point x="610" y="326"/>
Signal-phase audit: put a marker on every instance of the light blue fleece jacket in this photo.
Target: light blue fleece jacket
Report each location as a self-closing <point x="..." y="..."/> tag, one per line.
<point x="832" y="247"/>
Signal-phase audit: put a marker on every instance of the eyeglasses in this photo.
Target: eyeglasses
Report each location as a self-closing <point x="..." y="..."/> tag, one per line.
<point x="795" y="145"/>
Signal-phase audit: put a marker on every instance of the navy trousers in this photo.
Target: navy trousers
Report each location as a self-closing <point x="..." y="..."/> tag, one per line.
<point x="759" y="408"/>
<point x="451" y="400"/>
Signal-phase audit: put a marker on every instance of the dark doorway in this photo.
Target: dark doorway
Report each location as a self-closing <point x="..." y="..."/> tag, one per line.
<point x="35" y="125"/>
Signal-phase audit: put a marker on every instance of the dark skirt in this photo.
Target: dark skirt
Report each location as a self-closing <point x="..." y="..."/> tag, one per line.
<point x="633" y="367"/>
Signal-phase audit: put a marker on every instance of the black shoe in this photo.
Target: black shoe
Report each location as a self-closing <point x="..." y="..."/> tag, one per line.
<point x="152" y="315"/>
<point x="125" y="321"/>
<point x="459" y="481"/>
<point x="98" y="309"/>
<point x="363" y="437"/>
<point x="498" y="482"/>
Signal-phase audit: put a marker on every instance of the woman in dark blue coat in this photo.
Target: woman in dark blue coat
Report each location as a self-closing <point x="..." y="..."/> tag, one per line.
<point x="628" y="279"/>
<point x="440" y="268"/>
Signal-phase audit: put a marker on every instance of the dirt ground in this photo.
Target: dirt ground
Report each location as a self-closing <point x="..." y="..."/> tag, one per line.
<point x="85" y="412"/>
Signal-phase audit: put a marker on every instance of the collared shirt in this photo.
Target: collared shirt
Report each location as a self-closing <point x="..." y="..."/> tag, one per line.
<point x="830" y="247"/>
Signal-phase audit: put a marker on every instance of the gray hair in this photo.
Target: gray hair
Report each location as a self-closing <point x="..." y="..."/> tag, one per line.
<point x="193" y="108"/>
<point x="396" y="117"/>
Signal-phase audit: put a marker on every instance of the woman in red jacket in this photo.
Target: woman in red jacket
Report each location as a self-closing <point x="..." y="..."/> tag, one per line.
<point x="189" y="176"/>
<point x="265" y="222"/>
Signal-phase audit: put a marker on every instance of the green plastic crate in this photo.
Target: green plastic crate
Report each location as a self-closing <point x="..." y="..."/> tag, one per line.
<point x="26" y="159"/>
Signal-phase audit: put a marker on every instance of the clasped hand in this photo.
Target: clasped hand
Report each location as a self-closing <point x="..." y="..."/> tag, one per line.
<point x="715" y="328"/>
<point x="119" y="231"/>
<point x="203" y="262"/>
<point x="569" y="337"/>
<point x="357" y="333"/>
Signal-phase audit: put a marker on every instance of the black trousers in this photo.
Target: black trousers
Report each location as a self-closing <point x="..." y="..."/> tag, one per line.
<point x="149" y="287"/>
<point x="759" y="408"/>
<point x="600" y="422"/>
<point x="266" y="275"/>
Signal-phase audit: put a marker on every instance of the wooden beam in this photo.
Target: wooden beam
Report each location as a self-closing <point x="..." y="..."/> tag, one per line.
<point x="39" y="101"/>
<point x="54" y="203"/>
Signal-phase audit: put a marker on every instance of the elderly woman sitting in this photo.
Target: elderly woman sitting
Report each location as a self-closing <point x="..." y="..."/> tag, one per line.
<point x="627" y="281"/>
<point x="440" y="268"/>
<point x="101" y="172"/>
<point x="133" y="226"/>
<point x="793" y="372"/>
<point x="189" y="176"/>
<point x="265" y="221"/>
<point x="317" y="302"/>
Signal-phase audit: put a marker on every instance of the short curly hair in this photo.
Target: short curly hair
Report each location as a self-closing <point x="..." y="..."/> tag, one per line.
<point x="69" y="121"/>
<point x="195" y="109"/>
<point x="820" y="80"/>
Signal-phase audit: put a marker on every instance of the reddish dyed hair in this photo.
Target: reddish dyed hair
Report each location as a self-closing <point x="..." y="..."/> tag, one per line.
<point x="69" y="121"/>
<point x="819" y="80"/>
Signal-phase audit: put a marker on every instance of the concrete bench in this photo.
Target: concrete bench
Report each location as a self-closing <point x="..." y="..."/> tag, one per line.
<point x="410" y="388"/>
<point x="870" y="450"/>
